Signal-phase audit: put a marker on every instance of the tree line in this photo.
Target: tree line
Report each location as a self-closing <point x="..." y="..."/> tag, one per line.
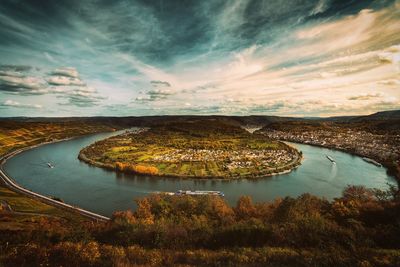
<point x="361" y="228"/>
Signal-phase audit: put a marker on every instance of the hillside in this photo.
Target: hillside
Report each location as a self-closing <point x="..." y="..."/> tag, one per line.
<point x="260" y="120"/>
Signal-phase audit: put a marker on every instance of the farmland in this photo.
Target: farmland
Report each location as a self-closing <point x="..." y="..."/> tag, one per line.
<point x="191" y="150"/>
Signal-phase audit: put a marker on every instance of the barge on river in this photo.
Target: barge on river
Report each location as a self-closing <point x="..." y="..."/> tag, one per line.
<point x="372" y="161"/>
<point x="194" y="193"/>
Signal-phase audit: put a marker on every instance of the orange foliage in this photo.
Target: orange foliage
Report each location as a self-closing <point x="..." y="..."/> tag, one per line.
<point x="120" y="166"/>
<point x="144" y="211"/>
<point x="222" y="210"/>
<point x="342" y="208"/>
<point x="245" y="207"/>
<point x="141" y="169"/>
<point x="145" y="169"/>
<point x="204" y="230"/>
<point x="123" y="217"/>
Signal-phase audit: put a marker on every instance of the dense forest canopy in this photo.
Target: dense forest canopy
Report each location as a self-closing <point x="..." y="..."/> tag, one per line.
<point x="361" y="228"/>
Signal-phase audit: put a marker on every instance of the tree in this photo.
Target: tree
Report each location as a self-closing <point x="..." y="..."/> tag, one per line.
<point x="358" y="193"/>
<point x="143" y="211"/>
<point x="123" y="217"/>
<point x="245" y="208"/>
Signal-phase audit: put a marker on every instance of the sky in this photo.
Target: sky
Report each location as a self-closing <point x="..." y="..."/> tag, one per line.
<point x="163" y="57"/>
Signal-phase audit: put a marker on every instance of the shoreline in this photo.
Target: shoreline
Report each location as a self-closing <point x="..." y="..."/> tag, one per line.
<point x="10" y="183"/>
<point x="389" y="169"/>
<point x="82" y="157"/>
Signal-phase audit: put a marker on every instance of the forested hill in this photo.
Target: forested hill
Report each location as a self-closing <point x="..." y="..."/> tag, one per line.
<point x="385" y="119"/>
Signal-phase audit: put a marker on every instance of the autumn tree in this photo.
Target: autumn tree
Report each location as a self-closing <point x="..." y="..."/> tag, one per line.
<point x="143" y="211"/>
<point x="358" y="193"/>
<point x="123" y="217"/>
<point x="245" y="208"/>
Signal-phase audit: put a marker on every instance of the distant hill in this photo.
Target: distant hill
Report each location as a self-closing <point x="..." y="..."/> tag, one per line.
<point x="163" y="120"/>
<point x="380" y="121"/>
<point x="383" y="115"/>
<point x="385" y="120"/>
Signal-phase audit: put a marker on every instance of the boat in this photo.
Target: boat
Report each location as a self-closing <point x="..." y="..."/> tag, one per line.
<point x="50" y="165"/>
<point x="372" y="161"/>
<point x="331" y="159"/>
<point x="193" y="193"/>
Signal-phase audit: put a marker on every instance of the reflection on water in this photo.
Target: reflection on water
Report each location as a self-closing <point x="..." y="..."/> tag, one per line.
<point x="105" y="191"/>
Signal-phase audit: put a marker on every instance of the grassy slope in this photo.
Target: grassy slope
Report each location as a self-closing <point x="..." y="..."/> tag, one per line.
<point x="28" y="212"/>
<point x="14" y="135"/>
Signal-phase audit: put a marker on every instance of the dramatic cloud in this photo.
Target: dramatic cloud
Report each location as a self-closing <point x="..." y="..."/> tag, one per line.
<point x="12" y="83"/>
<point x="14" y="104"/>
<point x="15" y="68"/>
<point x="365" y="97"/>
<point x="81" y="97"/>
<point x="154" y="95"/>
<point x="67" y="72"/>
<point x="11" y="73"/>
<point x="64" y="81"/>
<point x="17" y="79"/>
<point x="160" y="83"/>
<point x="82" y="100"/>
<point x="284" y="57"/>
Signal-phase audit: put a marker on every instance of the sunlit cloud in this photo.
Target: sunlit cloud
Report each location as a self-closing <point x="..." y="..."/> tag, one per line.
<point x="66" y="71"/>
<point x="364" y="97"/>
<point x="160" y="84"/>
<point x="15" y="104"/>
<point x="297" y="58"/>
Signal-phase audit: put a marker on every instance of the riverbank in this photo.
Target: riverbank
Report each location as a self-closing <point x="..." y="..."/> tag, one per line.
<point x="392" y="169"/>
<point x="11" y="184"/>
<point x="367" y="139"/>
<point x="24" y="201"/>
<point x="104" y="191"/>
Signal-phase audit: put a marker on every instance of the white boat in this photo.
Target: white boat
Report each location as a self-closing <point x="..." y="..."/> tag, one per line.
<point x="372" y="161"/>
<point x="199" y="192"/>
<point x="194" y="193"/>
<point x="50" y="165"/>
<point x="331" y="159"/>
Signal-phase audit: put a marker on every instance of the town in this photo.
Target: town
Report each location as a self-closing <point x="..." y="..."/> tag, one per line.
<point x="381" y="147"/>
<point x="245" y="158"/>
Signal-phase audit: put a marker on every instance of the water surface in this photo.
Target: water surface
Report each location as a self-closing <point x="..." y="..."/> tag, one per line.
<point x="103" y="191"/>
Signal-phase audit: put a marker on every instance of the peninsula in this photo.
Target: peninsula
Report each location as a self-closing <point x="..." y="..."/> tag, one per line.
<point x="198" y="149"/>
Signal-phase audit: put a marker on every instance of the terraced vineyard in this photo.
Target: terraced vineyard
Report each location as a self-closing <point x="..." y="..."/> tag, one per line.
<point x="14" y="135"/>
<point x="27" y="212"/>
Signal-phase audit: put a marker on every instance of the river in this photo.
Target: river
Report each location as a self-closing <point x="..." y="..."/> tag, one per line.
<point x="104" y="191"/>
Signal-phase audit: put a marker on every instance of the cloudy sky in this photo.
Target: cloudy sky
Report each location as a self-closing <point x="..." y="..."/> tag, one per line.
<point x="241" y="57"/>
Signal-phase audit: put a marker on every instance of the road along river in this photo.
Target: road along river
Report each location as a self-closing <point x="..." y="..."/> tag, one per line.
<point x="102" y="191"/>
